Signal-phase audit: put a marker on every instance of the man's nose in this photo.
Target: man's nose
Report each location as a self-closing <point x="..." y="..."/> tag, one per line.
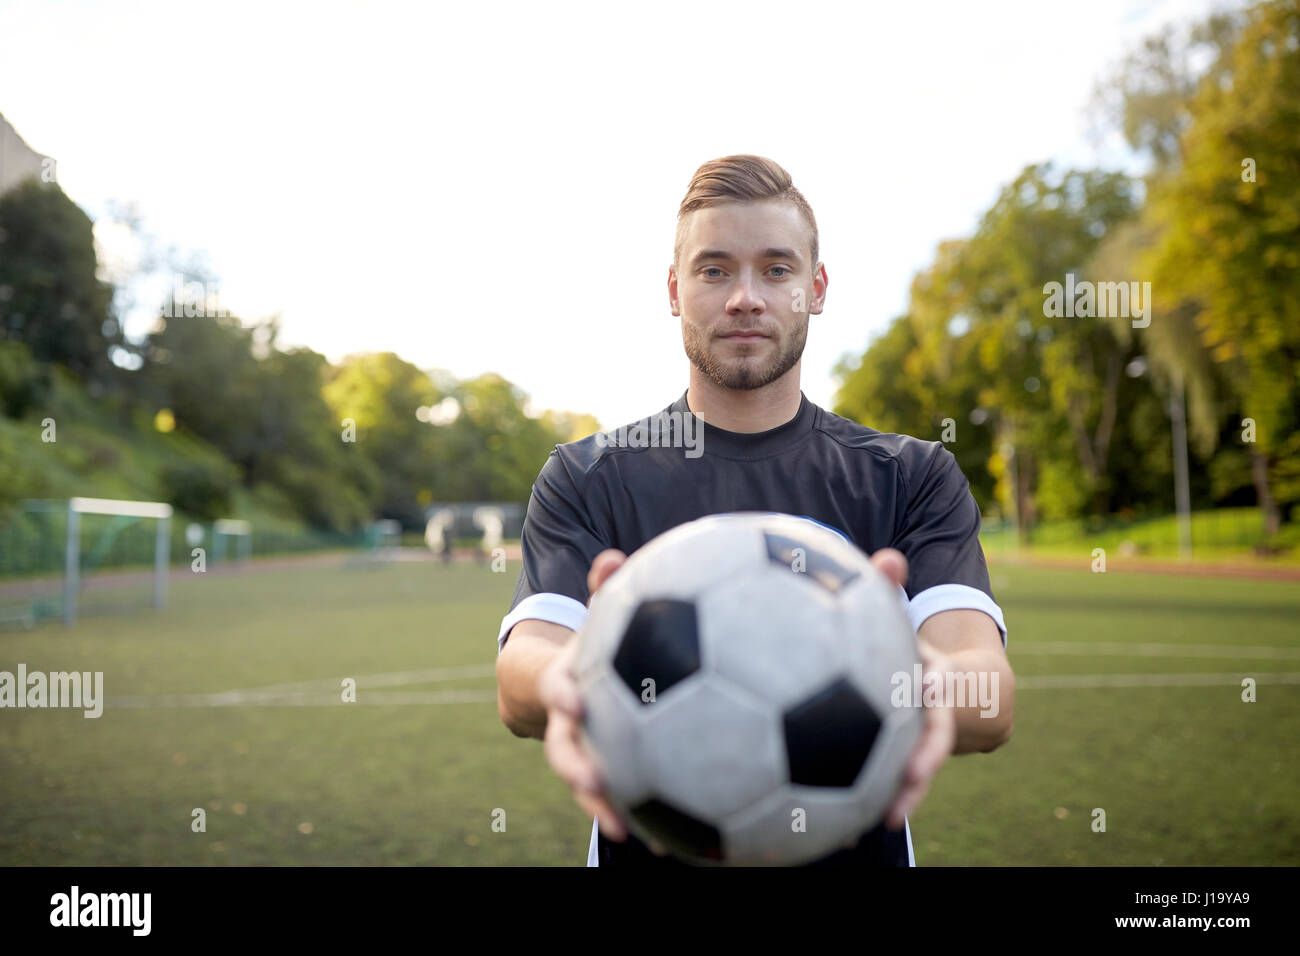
<point x="744" y="298"/>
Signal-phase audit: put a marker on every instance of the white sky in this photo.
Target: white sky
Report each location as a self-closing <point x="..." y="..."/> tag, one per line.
<point x="494" y="188"/>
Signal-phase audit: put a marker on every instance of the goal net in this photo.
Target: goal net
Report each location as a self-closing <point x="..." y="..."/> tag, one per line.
<point x="83" y="556"/>
<point x="232" y="540"/>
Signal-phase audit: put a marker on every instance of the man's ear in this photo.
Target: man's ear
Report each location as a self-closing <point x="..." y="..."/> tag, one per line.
<point x="818" y="303"/>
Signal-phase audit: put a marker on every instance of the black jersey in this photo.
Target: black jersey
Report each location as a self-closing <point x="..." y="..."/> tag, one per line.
<point x="619" y="489"/>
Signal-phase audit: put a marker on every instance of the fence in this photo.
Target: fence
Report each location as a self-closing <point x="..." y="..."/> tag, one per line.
<point x="35" y="542"/>
<point x="1220" y="530"/>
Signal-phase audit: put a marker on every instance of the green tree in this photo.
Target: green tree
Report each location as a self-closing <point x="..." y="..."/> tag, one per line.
<point x="1048" y="376"/>
<point x="383" y="395"/>
<point x="1034" y="397"/>
<point x="569" y="426"/>
<point x="268" y="414"/>
<point x="50" y="297"/>
<point x="917" y="378"/>
<point x="1229" y="238"/>
<point x="493" y="450"/>
<point x="1147" y="96"/>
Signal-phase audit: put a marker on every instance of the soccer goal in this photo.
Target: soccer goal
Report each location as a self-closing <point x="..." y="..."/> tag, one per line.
<point x="123" y="515"/>
<point x="70" y="557"/>
<point x="384" y="537"/>
<point x="226" y="531"/>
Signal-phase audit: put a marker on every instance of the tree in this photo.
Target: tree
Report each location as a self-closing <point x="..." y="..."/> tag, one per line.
<point x="493" y="450"/>
<point x="1147" y="95"/>
<point x="383" y="395"/>
<point x="1036" y="393"/>
<point x="266" y="414"/>
<point x="916" y="378"/>
<point x="50" y="297"/>
<point x="988" y="351"/>
<point x="569" y="426"/>
<point x="1229" y="238"/>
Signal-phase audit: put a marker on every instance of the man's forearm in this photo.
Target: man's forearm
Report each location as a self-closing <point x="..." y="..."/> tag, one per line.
<point x="528" y="652"/>
<point x="979" y="680"/>
<point x="984" y="685"/>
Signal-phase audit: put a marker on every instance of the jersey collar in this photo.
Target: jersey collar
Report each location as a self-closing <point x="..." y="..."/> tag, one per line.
<point x="720" y="442"/>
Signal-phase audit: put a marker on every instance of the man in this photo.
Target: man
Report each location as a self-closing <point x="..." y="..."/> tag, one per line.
<point x="744" y="279"/>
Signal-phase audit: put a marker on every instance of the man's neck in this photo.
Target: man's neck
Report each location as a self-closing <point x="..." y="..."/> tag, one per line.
<point x="744" y="411"/>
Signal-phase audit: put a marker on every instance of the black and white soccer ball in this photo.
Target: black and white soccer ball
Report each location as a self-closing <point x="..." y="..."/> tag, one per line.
<point x="736" y="673"/>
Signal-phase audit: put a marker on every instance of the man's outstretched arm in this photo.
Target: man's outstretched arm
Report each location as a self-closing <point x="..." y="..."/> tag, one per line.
<point x="972" y="646"/>
<point x="530" y="648"/>
<point x="538" y="696"/>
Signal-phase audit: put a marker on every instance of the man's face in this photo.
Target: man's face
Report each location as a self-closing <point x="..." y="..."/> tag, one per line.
<point x="745" y="267"/>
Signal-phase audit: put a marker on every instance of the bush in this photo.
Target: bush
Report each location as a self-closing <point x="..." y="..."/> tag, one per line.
<point x="19" y="478"/>
<point x="201" y="491"/>
<point x="322" y="499"/>
<point x="24" y="382"/>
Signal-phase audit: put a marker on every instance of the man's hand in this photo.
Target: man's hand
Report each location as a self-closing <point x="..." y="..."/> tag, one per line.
<point x="557" y="689"/>
<point x="937" y="739"/>
<point x="940" y="731"/>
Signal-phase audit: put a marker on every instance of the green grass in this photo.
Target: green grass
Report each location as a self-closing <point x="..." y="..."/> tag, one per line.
<point x="1186" y="775"/>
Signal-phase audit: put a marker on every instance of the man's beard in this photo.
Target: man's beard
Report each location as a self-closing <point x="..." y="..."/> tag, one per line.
<point x="744" y="373"/>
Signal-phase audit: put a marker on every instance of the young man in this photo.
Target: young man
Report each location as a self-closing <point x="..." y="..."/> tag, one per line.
<point x="744" y="279"/>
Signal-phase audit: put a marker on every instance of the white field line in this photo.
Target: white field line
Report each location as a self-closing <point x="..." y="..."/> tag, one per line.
<point x="1116" y="649"/>
<point x="1094" y="681"/>
<point x="431" y="697"/>
<point x="316" y="700"/>
<point x="328" y="691"/>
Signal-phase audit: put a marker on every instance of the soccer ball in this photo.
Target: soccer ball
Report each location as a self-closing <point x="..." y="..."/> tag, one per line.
<point x="736" y="673"/>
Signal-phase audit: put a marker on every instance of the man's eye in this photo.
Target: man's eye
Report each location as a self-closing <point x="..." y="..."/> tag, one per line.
<point x="784" y="268"/>
<point x="708" y="269"/>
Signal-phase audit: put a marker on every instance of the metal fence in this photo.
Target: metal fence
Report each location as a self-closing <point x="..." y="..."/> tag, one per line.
<point x="1224" y="529"/>
<point x="35" y="542"/>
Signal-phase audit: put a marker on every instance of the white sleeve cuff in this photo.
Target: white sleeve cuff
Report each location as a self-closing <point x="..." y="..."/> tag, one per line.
<point x="555" y="608"/>
<point x="952" y="597"/>
<point x="567" y="612"/>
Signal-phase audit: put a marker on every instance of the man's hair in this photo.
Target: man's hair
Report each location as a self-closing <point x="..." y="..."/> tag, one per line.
<point x="742" y="178"/>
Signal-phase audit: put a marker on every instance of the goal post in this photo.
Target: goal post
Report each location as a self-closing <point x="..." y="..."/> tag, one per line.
<point x="126" y="509"/>
<point x="385" y="534"/>
<point x="224" y="529"/>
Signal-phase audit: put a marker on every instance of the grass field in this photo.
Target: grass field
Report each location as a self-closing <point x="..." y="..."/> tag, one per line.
<point x="1218" y="534"/>
<point x="414" y="770"/>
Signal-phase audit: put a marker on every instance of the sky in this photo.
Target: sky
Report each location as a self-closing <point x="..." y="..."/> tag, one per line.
<point x="494" y="187"/>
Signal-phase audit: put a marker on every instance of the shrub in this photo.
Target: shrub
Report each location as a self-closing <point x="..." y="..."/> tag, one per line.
<point x="24" y="382"/>
<point x="202" y="491"/>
